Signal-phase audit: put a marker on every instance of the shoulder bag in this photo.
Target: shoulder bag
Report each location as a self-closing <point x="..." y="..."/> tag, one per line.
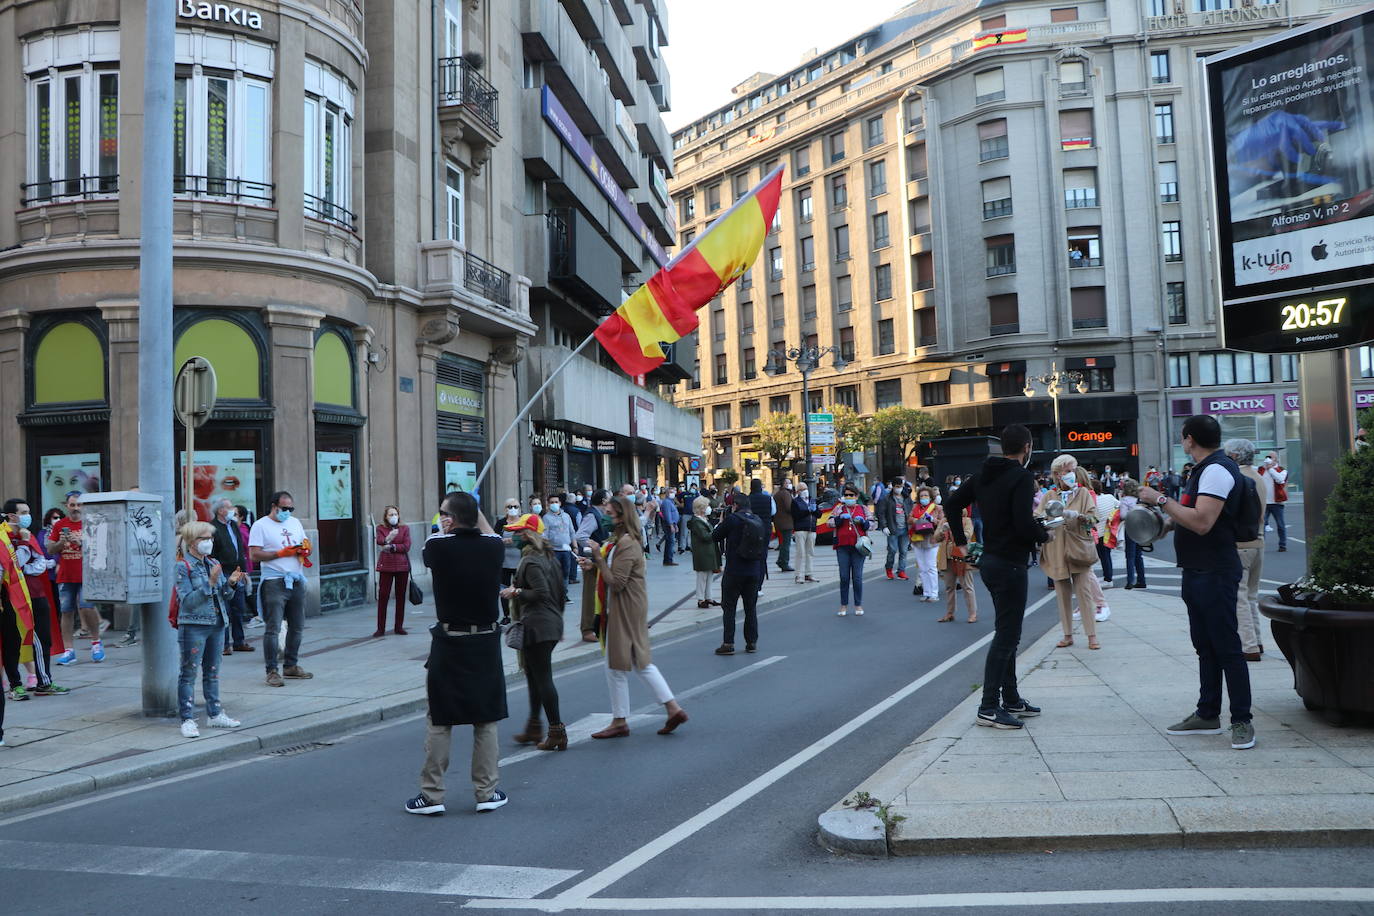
<point x="413" y="592"/>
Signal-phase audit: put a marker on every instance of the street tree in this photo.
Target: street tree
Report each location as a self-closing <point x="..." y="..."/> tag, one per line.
<point x="853" y="433"/>
<point x="778" y="434"/>
<point x="904" y="428"/>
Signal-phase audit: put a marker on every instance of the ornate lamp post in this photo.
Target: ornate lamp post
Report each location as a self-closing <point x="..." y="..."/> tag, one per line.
<point x="1055" y="382"/>
<point x="808" y="360"/>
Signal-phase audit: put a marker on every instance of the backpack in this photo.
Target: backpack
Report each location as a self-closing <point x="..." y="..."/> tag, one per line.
<point x="753" y="539"/>
<point x="1250" y="513"/>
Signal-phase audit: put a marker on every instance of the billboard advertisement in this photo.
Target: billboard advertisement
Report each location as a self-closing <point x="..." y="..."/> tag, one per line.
<point x="1292" y="133"/>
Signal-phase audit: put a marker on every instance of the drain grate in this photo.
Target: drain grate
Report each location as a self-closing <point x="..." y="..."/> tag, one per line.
<point x="296" y="749"/>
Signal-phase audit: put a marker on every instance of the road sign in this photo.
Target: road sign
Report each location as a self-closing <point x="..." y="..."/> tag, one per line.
<point x="694" y="481"/>
<point x="193" y="395"/>
<point x="694" y="465"/>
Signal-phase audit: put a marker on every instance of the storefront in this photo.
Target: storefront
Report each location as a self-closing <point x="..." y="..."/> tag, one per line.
<point x="1251" y="415"/>
<point x="547" y="446"/>
<point x="581" y="461"/>
<point x="460" y="395"/>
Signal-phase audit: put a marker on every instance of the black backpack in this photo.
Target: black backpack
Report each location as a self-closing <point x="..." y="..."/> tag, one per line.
<point x="753" y="538"/>
<point x="1249" y="511"/>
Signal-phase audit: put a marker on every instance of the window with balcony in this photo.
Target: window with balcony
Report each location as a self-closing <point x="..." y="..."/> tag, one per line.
<point x="808" y="302"/>
<point x="73" y="136"/>
<point x="920" y="215"/>
<point x="801" y="162"/>
<point x="847" y="344"/>
<point x="887" y="393"/>
<point x="882" y="282"/>
<point x="1172" y="232"/>
<point x="686" y="208"/>
<point x="1228" y="368"/>
<point x="887" y="337"/>
<point x="1007" y="384"/>
<point x="1004" y="315"/>
<point x="1080" y="188"/>
<point x="1088" y="305"/>
<point x="915" y="114"/>
<point x="1076" y="129"/>
<point x="839" y="191"/>
<point x="780" y="403"/>
<point x="835" y="144"/>
<point x="844" y="293"/>
<point x="713" y="198"/>
<point x="748" y="370"/>
<point x="805" y="208"/>
<point x="1001" y="255"/>
<point x="808" y="253"/>
<point x="925" y="270"/>
<point x="1159" y="67"/>
<point x="847" y="396"/>
<point x="841" y="242"/>
<point x="720" y="413"/>
<point x="328" y="145"/>
<point x="1072" y="76"/>
<point x="1164" y="122"/>
<point x="873" y="132"/>
<point x="775" y="263"/>
<point x="989" y="86"/>
<point x="1168" y="182"/>
<point x="1178" y="304"/>
<point x="877" y="177"/>
<point x="933" y="394"/>
<point x="213" y="113"/>
<point x="881" y="239"/>
<point x="925" y="327"/>
<point x="996" y="198"/>
<point x="1085" y="247"/>
<point x="916" y="164"/>
<point x="1180" y="371"/>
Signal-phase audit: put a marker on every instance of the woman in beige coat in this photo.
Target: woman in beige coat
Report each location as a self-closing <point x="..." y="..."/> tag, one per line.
<point x="955" y="571"/>
<point x="625" y="603"/>
<point x="1068" y="558"/>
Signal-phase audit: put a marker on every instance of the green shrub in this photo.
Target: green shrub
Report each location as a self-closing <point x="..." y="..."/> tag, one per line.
<point x="1342" y="557"/>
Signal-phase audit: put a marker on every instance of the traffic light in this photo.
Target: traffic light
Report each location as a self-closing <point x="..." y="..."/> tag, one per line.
<point x="749" y="467"/>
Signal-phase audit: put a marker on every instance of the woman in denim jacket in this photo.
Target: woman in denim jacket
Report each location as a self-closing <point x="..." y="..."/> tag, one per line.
<point x="202" y="597"/>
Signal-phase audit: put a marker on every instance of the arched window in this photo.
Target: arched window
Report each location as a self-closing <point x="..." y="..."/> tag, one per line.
<point x="69" y="366"/>
<point x="333" y="370"/>
<point x="230" y="349"/>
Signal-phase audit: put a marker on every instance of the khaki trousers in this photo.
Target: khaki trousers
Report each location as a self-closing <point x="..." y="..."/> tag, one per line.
<point x="1247" y="598"/>
<point x="485" y="754"/>
<point x="950" y="580"/>
<point x="1079" y="584"/>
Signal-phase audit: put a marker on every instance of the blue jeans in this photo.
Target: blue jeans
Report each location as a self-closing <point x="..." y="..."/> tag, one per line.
<point x="851" y="569"/>
<point x="1275" y="511"/>
<point x="69" y="598"/>
<point x="897" y="543"/>
<point x="1211" y="599"/>
<point x="201" y="645"/>
<point x="1135" y="564"/>
<point x="1104" y="556"/>
<point x="279" y="602"/>
<point x="568" y="565"/>
<point x="669" y="542"/>
<point x="1006" y="583"/>
<point x="238" y="609"/>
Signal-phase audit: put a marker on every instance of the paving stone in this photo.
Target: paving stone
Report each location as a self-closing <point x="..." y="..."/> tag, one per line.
<point x="1107" y="761"/>
<point x="1021" y="827"/>
<point x="1119" y="784"/>
<point x="1276" y="820"/>
<point x="1263" y="756"/>
<point x="1017" y="787"/>
<point x="1241" y="782"/>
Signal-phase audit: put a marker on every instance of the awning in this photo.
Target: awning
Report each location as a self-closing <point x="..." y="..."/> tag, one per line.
<point x="938" y="375"/>
<point x="1090" y="362"/>
<point x="1009" y="367"/>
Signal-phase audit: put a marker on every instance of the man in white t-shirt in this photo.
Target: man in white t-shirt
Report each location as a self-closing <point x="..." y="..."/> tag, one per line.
<point x="1277" y="477"/>
<point x="278" y="545"/>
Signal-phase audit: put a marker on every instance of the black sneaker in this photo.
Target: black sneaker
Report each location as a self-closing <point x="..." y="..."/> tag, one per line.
<point x="421" y="805"/>
<point x="999" y="718"/>
<point x="498" y="798"/>
<point x="1023" y="709"/>
<point x="751" y="647"/>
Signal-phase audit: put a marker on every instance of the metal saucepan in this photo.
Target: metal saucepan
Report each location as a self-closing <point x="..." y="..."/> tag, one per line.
<point x="1147" y="524"/>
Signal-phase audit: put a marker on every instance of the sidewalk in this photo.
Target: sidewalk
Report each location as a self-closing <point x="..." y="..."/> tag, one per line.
<point x="1097" y="771"/>
<point x="96" y="737"/>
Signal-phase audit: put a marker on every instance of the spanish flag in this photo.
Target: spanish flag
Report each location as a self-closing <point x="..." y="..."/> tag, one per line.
<point x="665" y="309"/>
<point x="1005" y="37"/>
<point x="1068" y="143"/>
<point x="16" y="590"/>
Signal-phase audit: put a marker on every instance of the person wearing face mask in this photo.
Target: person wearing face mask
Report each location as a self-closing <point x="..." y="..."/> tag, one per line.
<point x="803" y="533"/>
<point x="1068" y="559"/>
<point x="894" y="514"/>
<point x="277" y="543"/>
<point x="782" y="522"/>
<point x="669" y="519"/>
<point x="595" y="527"/>
<point x="537" y="594"/>
<point x="393" y="568"/>
<point x="201" y="616"/>
<point x="511" y="559"/>
<point x="33" y="564"/>
<point x="1276" y="477"/>
<point x="926" y="519"/>
<point x="65" y="540"/>
<point x="851" y="522"/>
<point x="955" y="571"/>
<point x="706" y="553"/>
<point x="558" y="531"/>
<point x="230" y="553"/>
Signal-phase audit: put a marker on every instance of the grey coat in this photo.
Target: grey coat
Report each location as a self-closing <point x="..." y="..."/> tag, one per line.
<point x="540" y="603"/>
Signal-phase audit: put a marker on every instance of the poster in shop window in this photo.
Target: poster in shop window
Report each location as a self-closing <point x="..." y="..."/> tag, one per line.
<point x="220" y="474"/>
<point x="460" y="476"/>
<point x="334" y="485"/>
<point x="60" y="474"/>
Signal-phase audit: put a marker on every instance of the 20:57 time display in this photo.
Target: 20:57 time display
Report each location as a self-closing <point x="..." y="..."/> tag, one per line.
<point x="1298" y="316"/>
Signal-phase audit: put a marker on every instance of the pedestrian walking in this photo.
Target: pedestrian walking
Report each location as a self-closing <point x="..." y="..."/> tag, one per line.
<point x="201" y="617"/>
<point x="1135" y="557"/>
<point x="393" y="569"/>
<point x="1210" y="518"/>
<point x="894" y="513"/>
<point x="595" y="527"/>
<point x="1277" y="477"/>
<point x="623" y="606"/>
<point x="955" y="572"/>
<point x="536" y="597"/>
<point x="803" y="534"/>
<point x="706" y="554"/>
<point x="277" y="543"/>
<point x="851" y="522"/>
<point x="511" y="558"/>
<point x="1251" y="553"/>
<point x="65" y="540"/>
<point x="744" y="538"/>
<point x="669" y="518"/>
<point x="231" y="551"/>
<point x="1005" y="490"/>
<point x="925" y="521"/>
<point x="783" y="523"/>
<point x="465" y="680"/>
<point x="1068" y="559"/>
<point x="559" y="530"/>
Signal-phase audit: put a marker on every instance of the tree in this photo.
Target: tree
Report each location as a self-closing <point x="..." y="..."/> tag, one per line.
<point x="903" y="427"/>
<point x="779" y="433"/>
<point x="1343" y="554"/>
<point x="727" y="478"/>
<point x="853" y="433"/>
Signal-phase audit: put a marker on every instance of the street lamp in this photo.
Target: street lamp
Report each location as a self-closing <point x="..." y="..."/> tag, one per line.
<point x="808" y="360"/>
<point x="1055" y="382"/>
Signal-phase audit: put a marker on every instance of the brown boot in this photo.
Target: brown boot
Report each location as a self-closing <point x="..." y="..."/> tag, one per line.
<point x="534" y="731"/>
<point x="556" y="741"/>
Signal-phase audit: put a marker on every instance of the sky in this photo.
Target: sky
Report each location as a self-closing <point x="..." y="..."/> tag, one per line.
<point x="716" y="44"/>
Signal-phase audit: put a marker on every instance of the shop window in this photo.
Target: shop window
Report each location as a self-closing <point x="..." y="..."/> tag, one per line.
<point x="68" y="366"/>
<point x="229" y="464"/>
<point x="72" y="457"/>
<point x="336" y="496"/>
<point x="333" y="370"/>
<point x="328" y="146"/>
<point x="230" y="348"/>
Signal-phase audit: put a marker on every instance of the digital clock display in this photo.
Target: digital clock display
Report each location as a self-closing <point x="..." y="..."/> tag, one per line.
<point x="1326" y="319"/>
<point x="1313" y="313"/>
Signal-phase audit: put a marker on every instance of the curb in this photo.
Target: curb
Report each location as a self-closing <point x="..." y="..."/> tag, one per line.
<point x="223" y="746"/>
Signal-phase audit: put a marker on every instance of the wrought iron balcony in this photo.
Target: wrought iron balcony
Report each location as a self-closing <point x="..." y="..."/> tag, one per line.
<point x="330" y="212"/>
<point x="81" y="188"/>
<point x="461" y="84"/>
<point x="486" y="279"/>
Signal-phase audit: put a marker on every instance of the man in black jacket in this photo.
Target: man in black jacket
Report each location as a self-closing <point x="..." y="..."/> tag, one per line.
<point x="740" y="531"/>
<point x="228" y="551"/>
<point x="1004" y="491"/>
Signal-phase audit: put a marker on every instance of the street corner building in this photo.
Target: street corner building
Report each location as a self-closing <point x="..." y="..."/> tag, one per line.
<point x="389" y="230"/>
<point x="978" y="195"/>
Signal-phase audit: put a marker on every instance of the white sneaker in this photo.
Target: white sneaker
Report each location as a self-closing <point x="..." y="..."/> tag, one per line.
<point x="1077" y="616"/>
<point x="1102" y="613"/>
<point x="255" y="623"/>
<point x="222" y="721"/>
<point x="189" y="729"/>
<point x="1268" y="527"/>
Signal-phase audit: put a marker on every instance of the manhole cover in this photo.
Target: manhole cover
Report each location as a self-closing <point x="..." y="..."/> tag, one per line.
<point x="295" y="749"/>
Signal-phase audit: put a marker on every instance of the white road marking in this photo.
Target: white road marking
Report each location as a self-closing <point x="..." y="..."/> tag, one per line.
<point x="448" y="879"/>
<point x="629" y="863"/>
<point x="954" y="901"/>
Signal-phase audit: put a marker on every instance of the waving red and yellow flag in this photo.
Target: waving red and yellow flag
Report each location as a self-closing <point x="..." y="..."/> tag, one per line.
<point x="665" y="309"/>
<point x="1004" y="37"/>
<point x="12" y="581"/>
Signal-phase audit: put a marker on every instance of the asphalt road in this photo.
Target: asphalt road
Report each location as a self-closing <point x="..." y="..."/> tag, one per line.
<point x="726" y="808"/>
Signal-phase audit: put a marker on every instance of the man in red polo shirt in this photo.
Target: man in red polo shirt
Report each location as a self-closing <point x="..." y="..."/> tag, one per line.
<point x="65" y="539"/>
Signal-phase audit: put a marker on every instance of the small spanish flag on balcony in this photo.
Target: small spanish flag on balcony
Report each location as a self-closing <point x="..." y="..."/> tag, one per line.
<point x="1068" y="143"/>
<point x="1005" y="37"/>
<point x="665" y="309"/>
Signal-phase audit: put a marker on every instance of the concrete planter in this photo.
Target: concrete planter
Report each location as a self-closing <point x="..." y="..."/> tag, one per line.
<point x="1331" y="651"/>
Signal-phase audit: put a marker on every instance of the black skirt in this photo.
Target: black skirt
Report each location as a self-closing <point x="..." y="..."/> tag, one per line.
<point x="466" y="681"/>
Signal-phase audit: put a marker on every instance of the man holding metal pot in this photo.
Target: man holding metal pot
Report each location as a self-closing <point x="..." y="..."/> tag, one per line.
<point x="1208" y="516"/>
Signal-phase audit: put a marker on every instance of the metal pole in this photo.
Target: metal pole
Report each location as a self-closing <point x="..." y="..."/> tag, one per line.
<point x="1324" y="387"/>
<point x="1058" y="436"/>
<point x="810" y="475"/>
<point x="155" y="440"/>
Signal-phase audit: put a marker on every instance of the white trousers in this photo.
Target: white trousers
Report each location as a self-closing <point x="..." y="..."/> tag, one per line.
<point x="803" y="550"/>
<point x="619" y="684"/>
<point x="704" y="585"/>
<point x="930" y="576"/>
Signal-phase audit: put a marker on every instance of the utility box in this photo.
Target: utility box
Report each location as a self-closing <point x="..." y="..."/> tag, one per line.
<point x="121" y="548"/>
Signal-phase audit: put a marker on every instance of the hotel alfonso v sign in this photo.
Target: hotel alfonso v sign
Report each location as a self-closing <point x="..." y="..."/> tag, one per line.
<point x="228" y="13"/>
